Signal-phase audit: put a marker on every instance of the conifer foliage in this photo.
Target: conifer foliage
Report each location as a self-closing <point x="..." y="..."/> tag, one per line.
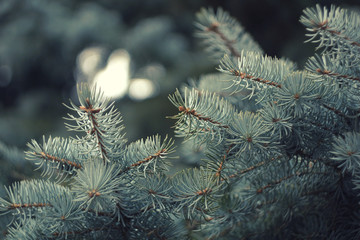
<point x="103" y="188"/>
<point x="287" y="167"/>
<point x="282" y="149"/>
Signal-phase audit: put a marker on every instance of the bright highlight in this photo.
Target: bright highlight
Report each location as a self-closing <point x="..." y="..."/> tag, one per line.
<point x="141" y="88"/>
<point x="113" y="80"/>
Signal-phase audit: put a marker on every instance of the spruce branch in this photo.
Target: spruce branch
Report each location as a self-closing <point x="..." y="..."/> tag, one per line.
<point x="214" y="27"/>
<point x="320" y="126"/>
<point x="278" y="181"/>
<point x="153" y="193"/>
<point x="326" y="22"/>
<point x="55" y="156"/>
<point x="334" y="110"/>
<point x="218" y="156"/>
<point x="97" y="187"/>
<point x="49" y="157"/>
<point x="299" y="115"/>
<point x="188" y="111"/>
<point x="297" y="94"/>
<point x="333" y="69"/>
<point x="28" y="231"/>
<point x="100" y="199"/>
<point x="194" y="189"/>
<point x="251" y="168"/>
<point x="26" y="197"/>
<point x="333" y="74"/>
<point x="324" y="26"/>
<point x="201" y="112"/>
<point x="277" y="119"/>
<point x="222" y="162"/>
<point x="95" y="126"/>
<point x="255" y="72"/>
<point x="231" y="213"/>
<point x="283" y="168"/>
<point x="249" y="134"/>
<point x="336" y="30"/>
<point x="346" y="152"/>
<point x="222" y="34"/>
<point x="149" y="155"/>
<point x="340" y="113"/>
<point x="101" y="122"/>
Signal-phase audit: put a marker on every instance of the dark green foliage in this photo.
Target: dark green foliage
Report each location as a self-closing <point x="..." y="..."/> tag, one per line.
<point x="289" y="168"/>
<point x="104" y="188"/>
<point x="14" y="167"/>
<point x="281" y="148"/>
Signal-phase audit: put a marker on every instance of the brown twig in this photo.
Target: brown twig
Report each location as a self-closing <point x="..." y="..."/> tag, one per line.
<point x="95" y="127"/>
<point x="329" y="73"/>
<point x="47" y="156"/>
<point x="198" y="116"/>
<point x="147" y="159"/>
<point x="336" y="111"/>
<point x="252" y="167"/>
<point x="214" y="27"/>
<point x="261" y="189"/>
<point x="324" y="26"/>
<point x="28" y="205"/>
<point x="243" y="75"/>
<point x="221" y="166"/>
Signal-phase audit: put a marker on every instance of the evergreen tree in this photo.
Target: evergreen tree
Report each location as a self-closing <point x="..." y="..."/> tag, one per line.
<point x="281" y="147"/>
<point x="286" y="166"/>
<point x="102" y="188"/>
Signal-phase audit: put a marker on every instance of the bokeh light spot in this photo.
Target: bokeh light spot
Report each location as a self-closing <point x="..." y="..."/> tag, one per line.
<point x="141" y="88"/>
<point x="113" y="80"/>
<point x="89" y="60"/>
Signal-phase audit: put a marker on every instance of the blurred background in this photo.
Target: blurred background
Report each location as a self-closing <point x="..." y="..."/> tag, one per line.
<point x="137" y="51"/>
